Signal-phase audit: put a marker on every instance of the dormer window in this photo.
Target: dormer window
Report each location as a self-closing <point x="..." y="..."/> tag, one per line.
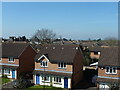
<point x="44" y="64"/>
<point x="10" y="59"/>
<point x="111" y="70"/>
<point x="61" y="65"/>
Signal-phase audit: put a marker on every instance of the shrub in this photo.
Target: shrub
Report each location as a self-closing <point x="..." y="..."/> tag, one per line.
<point x="4" y="76"/>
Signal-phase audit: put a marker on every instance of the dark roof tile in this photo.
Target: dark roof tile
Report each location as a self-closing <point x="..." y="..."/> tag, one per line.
<point x="59" y="53"/>
<point x="13" y="49"/>
<point x="109" y="57"/>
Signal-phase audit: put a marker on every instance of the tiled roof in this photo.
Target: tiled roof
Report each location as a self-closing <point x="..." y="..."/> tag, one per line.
<point x="95" y="48"/>
<point x="109" y="57"/>
<point x="13" y="49"/>
<point x="59" y="53"/>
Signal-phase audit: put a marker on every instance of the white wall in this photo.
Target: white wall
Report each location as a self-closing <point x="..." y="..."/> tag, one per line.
<point x="10" y="75"/>
<point x="61" y="85"/>
<point x="103" y="85"/>
<point x="69" y="82"/>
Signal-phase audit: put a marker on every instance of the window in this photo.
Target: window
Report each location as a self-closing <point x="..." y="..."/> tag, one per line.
<point x="57" y="79"/>
<point x="107" y="69"/>
<point x="6" y="71"/>
<point x="61" y="65"/>
<point x="114" y="70"/>
<point x="10" y="59"/>
<point x="44" y="64"/>
<point x="111" y="70"/>
<point x="45" y="78"/>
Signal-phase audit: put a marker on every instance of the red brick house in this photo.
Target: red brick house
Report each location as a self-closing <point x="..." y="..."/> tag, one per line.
<point x="95" y="52"/>
<point x="16" y="58"/>
<point x="109" y="68"/>
<point x="59" y="66"/>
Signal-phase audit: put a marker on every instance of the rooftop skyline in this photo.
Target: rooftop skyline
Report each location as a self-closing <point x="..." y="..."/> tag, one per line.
<point x="75" y="20"/>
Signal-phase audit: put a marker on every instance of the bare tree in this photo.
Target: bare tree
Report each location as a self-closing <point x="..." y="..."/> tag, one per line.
<point x="44" y="36"/>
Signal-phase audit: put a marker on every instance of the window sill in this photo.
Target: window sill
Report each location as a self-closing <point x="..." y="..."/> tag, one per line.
<point x="57" y="83"/>
<point x="44" y="67"/>
<point x="46" y="81"/>
<point x="111" y="73"/>
<point x="61" y="68"/>
<point x="7" y="74"/>
<point x="11" y="61"/>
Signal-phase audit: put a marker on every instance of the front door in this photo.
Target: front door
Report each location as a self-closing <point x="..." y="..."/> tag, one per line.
<point x="37" y="79"/>
<point x="13" y="73"/>
<point x="103" y="86"/>
<point x="65" y="82"/>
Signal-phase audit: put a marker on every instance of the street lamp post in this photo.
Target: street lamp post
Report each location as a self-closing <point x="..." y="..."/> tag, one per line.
<point x="44" y="76"/>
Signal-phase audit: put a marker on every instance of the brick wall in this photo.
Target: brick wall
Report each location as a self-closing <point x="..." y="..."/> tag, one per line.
<point x="77" y="70"/>
<point x="92" y="55"/>
<point x="5" y="60"/>
<point x="101" y="72"/>
<point x="52" y="66"/>
<point x="26" y="61"/>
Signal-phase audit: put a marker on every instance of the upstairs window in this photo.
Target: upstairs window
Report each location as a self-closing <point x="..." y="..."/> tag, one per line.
<point x="111" y="70"/>
<point x="44" y="64"/>
<point x="61" y="65"/>
<point x="10" y="59"/>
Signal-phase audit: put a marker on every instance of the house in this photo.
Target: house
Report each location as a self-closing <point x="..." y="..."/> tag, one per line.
<point x="109" y="68"/>
<point x="16" y="58"/>
<point x="59" y="66"/>
<point x="95" y="52"/>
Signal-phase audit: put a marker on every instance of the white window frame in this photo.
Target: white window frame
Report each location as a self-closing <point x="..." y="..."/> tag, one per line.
<point x="43" y="78"/>
<point x="42" y="63"/>
<point x="55" y="79"/>
<point x="112" y="70"/>
<point x="9" y="59"/>
<point x="62" y="67"/>
<point x="7" y="71"/>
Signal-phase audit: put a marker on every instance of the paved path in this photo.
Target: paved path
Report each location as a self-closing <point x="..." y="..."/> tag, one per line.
<point x="7" y="85"/>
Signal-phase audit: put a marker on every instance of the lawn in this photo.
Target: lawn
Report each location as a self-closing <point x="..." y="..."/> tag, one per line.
<point x="42" y="87"/>
<point x="5" y="80"/>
